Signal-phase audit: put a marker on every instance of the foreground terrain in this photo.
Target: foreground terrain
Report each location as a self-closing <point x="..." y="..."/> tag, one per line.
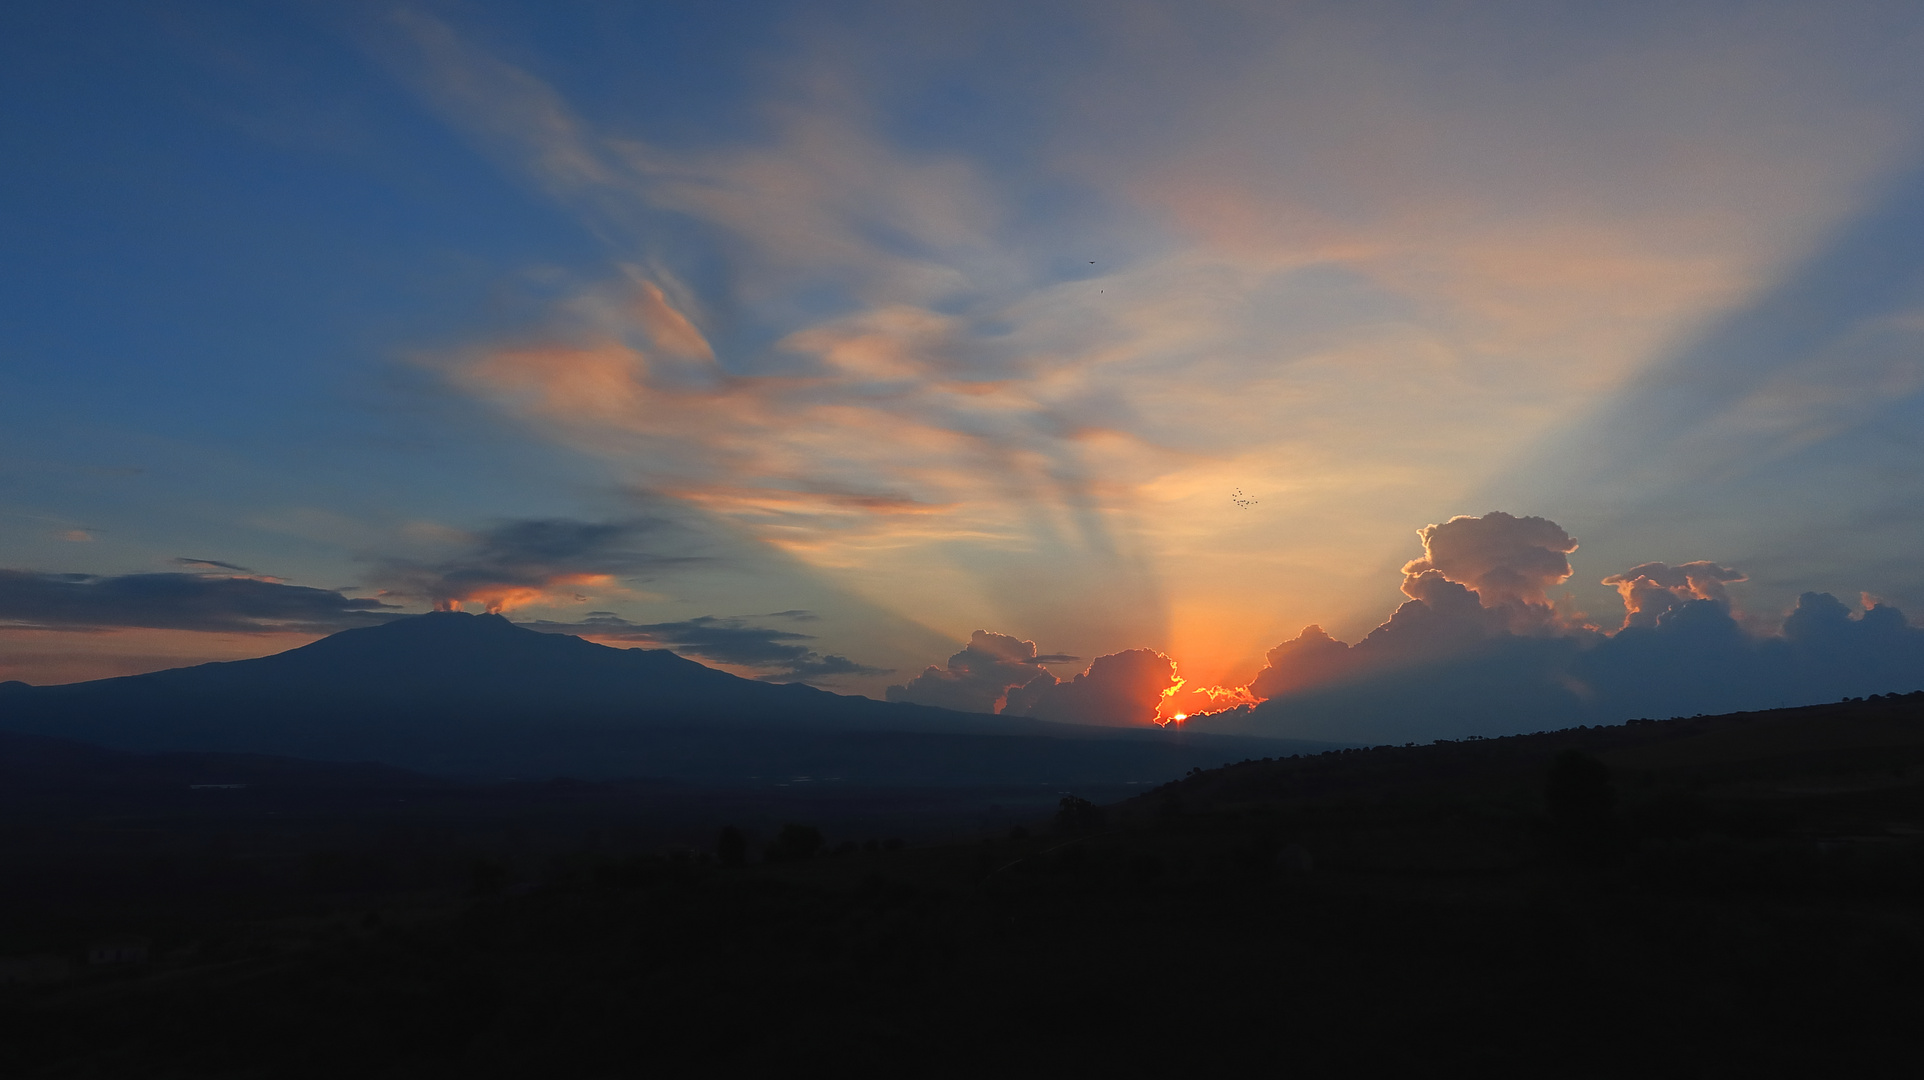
<point x="1723" y="895"/>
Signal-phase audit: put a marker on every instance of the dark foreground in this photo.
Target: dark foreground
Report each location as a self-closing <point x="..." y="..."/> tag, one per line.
<point x="1721" y="896"/>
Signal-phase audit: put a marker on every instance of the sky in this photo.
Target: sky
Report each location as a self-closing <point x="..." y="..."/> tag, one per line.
<point x="899" y="348"/>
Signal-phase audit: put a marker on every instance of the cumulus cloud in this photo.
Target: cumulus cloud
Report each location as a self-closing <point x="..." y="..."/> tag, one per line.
<point x="1509" y="561"/>
<point x="1650" y="590"/>
<point x="1308" y="659"/>
<point x="1120" y="689"/>
<point x="1442" y="618"/>
<point x="723" y="640"/>
<point x="1696" y="659"/>
<point x="527" y="562"/>
<point x="980" y="677"/>
<point x="1455" y="659"/>
<point x="178" y="601"/>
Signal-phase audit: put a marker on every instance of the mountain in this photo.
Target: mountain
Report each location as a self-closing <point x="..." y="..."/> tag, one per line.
<point x="476" y="695"/>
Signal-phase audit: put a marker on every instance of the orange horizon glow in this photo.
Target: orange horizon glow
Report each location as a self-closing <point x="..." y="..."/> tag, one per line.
<point x="44" y="657"/>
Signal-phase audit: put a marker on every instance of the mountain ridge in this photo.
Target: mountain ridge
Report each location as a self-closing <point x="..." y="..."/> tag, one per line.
<point x="450" y="692"/>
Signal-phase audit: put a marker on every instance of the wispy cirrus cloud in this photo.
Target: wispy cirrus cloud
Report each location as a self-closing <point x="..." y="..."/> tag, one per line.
<point x="1341" y="267"/>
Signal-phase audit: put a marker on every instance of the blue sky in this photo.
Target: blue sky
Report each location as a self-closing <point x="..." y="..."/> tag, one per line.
<point x="925" y="319"/>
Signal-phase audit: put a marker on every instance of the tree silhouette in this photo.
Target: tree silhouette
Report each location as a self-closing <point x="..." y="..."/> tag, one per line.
<point x="731" y="847"/>
<point x="794" y="844"/>
<point x="1075" y="814"/>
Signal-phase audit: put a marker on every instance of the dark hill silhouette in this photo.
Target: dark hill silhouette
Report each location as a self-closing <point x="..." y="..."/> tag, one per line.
<point x="45" y="771"/>
<point x="1838" y="751"/>
<point x="477" y="695"/>
<point x="1740" y="891"/>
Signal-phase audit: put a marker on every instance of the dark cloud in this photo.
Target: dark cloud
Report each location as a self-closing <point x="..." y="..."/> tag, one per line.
<point x="1698" y="659"/>
<point x="730" y="641"/>
<point x="1121" y="688"/>
<point x="813" y="667"/>
<point x="1441" y="619"/>
<point x="1311" y="658"/>
<point x="176" y="601"/>
<point x="211" y="564"/>
<point x="722" y="640"/>
<point x="1452" y="661"/>
<point x="999" y="673"/>
<point x="797" y="614"/>
<point x="537" y="561"/>
<point x="979" y="678"/>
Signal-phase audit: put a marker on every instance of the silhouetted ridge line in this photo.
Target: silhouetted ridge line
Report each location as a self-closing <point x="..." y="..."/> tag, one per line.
<point x="1809" y="741"/>
<point x="475" y="694"/>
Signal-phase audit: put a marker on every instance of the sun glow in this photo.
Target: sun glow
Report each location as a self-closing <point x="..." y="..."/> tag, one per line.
<point x="1168" y="694"/>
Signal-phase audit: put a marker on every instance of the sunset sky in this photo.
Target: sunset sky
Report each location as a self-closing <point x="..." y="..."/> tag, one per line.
<point x="810" y="339"/>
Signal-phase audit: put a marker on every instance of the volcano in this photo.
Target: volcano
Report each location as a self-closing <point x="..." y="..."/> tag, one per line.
<point x="454" y="693"/>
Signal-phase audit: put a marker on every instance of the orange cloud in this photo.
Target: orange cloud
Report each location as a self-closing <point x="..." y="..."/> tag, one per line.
<point x="829" y="462"/>
<point x="527" y="563"/>
<point x="1189" y="701"/>
<point x="672" y="331"/>
<point x="498" y="598"/>
<point x="1652" y="589"/>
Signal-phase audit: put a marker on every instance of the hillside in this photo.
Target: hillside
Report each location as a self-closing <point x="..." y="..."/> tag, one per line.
<point x="1728" y="895"/>
<point x="1856" y="746"/>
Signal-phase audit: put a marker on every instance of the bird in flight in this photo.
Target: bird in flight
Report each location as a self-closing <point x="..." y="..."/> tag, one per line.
<point x="1243" y="502"/>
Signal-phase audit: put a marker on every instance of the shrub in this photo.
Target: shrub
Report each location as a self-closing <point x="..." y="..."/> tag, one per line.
<point x="794" y="844"/>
